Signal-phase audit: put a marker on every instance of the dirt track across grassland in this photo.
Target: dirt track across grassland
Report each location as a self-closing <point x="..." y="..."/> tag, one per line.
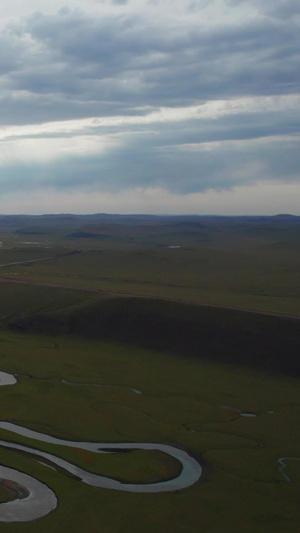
<point x="146" y="296"/>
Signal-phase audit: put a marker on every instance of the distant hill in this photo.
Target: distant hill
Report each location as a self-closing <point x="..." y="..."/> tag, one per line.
<point x="103" y="218"/>
<point x="153" y="230"/>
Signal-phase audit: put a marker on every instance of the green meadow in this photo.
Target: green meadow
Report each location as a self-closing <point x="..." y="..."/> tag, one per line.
<point x="139" y="342"/>
<point x="235" y="263"/>
<point x="184" y="402"/>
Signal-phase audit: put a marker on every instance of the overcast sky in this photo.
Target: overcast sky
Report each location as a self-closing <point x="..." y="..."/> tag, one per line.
<point x="150" y="106"/>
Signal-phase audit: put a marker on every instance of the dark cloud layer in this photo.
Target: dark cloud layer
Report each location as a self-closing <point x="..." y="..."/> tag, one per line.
<point x="71" y="66"/>
<point x="121" y="63"/>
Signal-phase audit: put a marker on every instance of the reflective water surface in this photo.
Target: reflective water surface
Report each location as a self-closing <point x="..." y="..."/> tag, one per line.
<point x="190" y="473"/>
<point x="7" y="379"/>
<point x="37" y="499"/>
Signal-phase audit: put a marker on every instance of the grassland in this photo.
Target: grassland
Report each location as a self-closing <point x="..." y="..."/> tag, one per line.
<point x="138" y="322"/>
<point x="252" y="264"/>
<point x="181" y="403"/>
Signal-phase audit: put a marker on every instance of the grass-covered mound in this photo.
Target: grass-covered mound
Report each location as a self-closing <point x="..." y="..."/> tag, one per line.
<point x="271" y="343"/>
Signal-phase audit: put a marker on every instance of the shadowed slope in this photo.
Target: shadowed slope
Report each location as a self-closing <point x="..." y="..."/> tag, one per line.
<point x="271" y="343"/>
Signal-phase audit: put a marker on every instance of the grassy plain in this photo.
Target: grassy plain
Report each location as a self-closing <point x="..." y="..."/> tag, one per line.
<point x="240" y="262"/>
<point x="198" y="367"/>
<point x="260" y="279"/>
<point x="181" y="404"/>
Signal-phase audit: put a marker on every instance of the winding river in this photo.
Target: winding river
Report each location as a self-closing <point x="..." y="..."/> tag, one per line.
<point x="34" y="499"/>
<point x="37" y="499"/>
<point x="283" y="465"/>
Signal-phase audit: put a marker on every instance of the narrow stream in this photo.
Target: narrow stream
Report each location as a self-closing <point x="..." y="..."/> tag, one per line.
<point x="35" y="500"/>
<point x="190" y="473"/>
<point x="283" y="465"/>
<point x="136" y="391"/>
<point x="40" y="500"/>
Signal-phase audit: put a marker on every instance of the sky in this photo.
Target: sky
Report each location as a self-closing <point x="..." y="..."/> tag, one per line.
<point x="150" y="106"/>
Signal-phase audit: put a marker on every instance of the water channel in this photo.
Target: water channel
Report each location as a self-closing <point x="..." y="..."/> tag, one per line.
<point x="34" y="499"/>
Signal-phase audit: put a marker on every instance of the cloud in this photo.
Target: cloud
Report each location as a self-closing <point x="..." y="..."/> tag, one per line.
<point x="150" y="159"/>
<point x="218" y="145"/>
<point x="184" y="97"/>
<point x="260" y="198"/>
<point x="131" y="62"/>
<point x="289" y="9"/>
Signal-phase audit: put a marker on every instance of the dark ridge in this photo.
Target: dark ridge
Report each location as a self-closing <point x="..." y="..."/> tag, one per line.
<point x="87" y="235"/>
<point x="266" y="342"/>
<point x="30" y="232"/>
<point x="284" y="215"/>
